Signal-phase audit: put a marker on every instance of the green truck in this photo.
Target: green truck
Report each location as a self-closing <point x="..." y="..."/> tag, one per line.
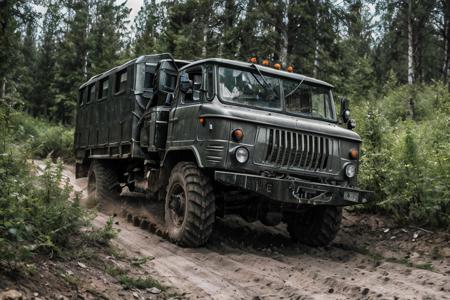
<point x="214" y="137"/>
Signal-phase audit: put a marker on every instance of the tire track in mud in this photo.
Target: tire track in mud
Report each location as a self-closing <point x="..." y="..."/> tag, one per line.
<point x="232" y="266"/>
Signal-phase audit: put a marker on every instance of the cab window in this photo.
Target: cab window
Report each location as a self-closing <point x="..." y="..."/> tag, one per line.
<point x="210" y="82"/>
<point x="193" y="79"/>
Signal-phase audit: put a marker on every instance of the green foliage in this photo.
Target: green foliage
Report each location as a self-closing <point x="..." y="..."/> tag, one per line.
<point x="130" y="282"/>
<point x="103" y="235"/>
<point x="146" y="282"/>
<point x="406" y="162"/>
<point x="42" y="139"/>
<point x="38" y="213"/>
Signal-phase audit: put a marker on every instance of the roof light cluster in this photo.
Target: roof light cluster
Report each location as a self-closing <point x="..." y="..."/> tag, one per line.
<point x="266" y="62"/>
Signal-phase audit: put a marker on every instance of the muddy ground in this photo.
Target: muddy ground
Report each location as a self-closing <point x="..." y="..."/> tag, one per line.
<point x="370" y="259"/>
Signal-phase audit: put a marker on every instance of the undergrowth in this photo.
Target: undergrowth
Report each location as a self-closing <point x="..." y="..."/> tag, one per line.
<point x="406" y="153"/>
<point x="39" y="213"/>
<point x="129" y="281"/>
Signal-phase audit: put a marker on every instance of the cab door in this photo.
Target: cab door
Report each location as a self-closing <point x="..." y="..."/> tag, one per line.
<point x="184" y="118"/>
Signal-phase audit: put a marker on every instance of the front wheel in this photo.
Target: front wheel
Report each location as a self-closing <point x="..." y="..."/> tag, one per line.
<point x="317" y="226"/>
<point x="189" y="206"/>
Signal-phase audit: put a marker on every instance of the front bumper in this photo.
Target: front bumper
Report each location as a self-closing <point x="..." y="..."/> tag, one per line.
<point x="294" y="190"/>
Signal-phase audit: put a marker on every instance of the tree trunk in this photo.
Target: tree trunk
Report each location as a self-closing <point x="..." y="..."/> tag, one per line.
<point x="284" y="33"/>
<point x="2" y="87"/>
<point x="205" y="39"/>
<point x="447" y="54"/>
<point x="410" y="45"/>
<point x="316" y="41"/>
<point x="445" y="61"/>
<point x="446" y="39"/>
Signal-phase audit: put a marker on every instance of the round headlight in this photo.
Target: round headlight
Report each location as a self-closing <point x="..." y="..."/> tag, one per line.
<point x="350" y="170"/>
<point x="241" y="155"/>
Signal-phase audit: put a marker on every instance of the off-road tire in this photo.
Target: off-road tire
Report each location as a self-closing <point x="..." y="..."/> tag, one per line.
<point x="103" y="182"/>
<point x="199" y="209"/>
<point x="316" y="227"/>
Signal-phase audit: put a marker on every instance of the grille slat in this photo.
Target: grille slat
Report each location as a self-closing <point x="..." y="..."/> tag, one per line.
<point x="298" y="150"/>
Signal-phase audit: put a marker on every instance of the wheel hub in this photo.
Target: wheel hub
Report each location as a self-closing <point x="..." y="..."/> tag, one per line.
<point x="177" y="205"/>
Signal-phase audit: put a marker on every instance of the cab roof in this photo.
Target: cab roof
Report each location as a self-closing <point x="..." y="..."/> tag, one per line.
<point x="267" y="70"/>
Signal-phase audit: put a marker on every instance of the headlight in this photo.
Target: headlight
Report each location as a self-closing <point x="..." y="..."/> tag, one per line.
<point x="241" y="155"/>
<point x="350" y="170"/>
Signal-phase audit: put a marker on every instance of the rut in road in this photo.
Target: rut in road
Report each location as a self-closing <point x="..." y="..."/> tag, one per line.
<point x="236" y="265"/>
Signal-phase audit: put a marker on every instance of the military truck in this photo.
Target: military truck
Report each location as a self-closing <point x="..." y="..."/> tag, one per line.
<point x="215" y="137"/>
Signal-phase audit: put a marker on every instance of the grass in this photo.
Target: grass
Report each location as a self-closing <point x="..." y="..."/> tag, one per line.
<point x="116" y="252"/>
<point x="139" y="261"/>
<point x="408" y="263"/>
<point x="130" y="282"/>
<point x="139" y="282"/>
<point x="71" y="279"/>
<point x="115" y="271"/>
<point x="377" y="258"/>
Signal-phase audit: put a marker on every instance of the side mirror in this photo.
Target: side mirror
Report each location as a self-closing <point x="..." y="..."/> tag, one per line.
<point x="166" y="82"/>
<point x="345" y="114"/>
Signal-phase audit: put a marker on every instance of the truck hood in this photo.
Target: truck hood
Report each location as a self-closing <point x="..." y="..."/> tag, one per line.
<point x="274" y="119"/>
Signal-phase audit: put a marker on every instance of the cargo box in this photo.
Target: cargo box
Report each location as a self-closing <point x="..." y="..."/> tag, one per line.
<point x="111" y="106"/>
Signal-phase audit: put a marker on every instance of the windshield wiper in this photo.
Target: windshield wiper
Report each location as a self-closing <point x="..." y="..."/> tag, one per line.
<point x="266" y="84"/>
<point x="296" y="88"/>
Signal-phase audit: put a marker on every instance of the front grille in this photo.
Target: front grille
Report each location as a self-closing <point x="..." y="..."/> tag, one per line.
<point x="298" y="150"/>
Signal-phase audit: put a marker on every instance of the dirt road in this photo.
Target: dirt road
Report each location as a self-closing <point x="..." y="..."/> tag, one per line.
<point x="370" y="259"/>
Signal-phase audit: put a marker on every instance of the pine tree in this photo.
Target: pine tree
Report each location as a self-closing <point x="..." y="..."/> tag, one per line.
<point x="14" y="14"/>
<point x="44" y="91"/>
<point x="72" y="58"/>
<point x="26" y="65"/>
<point x="109" y="24"/>
<point x="147" y="26"/>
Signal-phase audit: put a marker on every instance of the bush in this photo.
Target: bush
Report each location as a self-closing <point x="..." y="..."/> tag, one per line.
<point x="38" y="215"/>
<point x="41" y="138"/>
<point x="407" y="162"/>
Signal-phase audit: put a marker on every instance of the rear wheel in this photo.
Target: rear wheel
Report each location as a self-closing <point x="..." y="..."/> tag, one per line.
<point x="189" y="206"/>
<point x="316" y="227"/>
<point x="103" y="183"/>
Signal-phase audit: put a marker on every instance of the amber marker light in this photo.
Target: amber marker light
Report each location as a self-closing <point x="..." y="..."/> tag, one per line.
<point x="265" y="62"/>
<point x="237" y="135"/>
<point x="290" y="69"/>
<point x="202" y="120"/>
<point x="353" y="153"/>
<point x="277" y="66"/>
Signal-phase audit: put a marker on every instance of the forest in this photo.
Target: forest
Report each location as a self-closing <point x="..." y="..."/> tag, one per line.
<point x="390" y="58"/>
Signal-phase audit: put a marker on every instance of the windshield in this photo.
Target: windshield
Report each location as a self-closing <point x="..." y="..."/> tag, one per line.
<point x="308" y="100"/>
<point x="249" y="88"/>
